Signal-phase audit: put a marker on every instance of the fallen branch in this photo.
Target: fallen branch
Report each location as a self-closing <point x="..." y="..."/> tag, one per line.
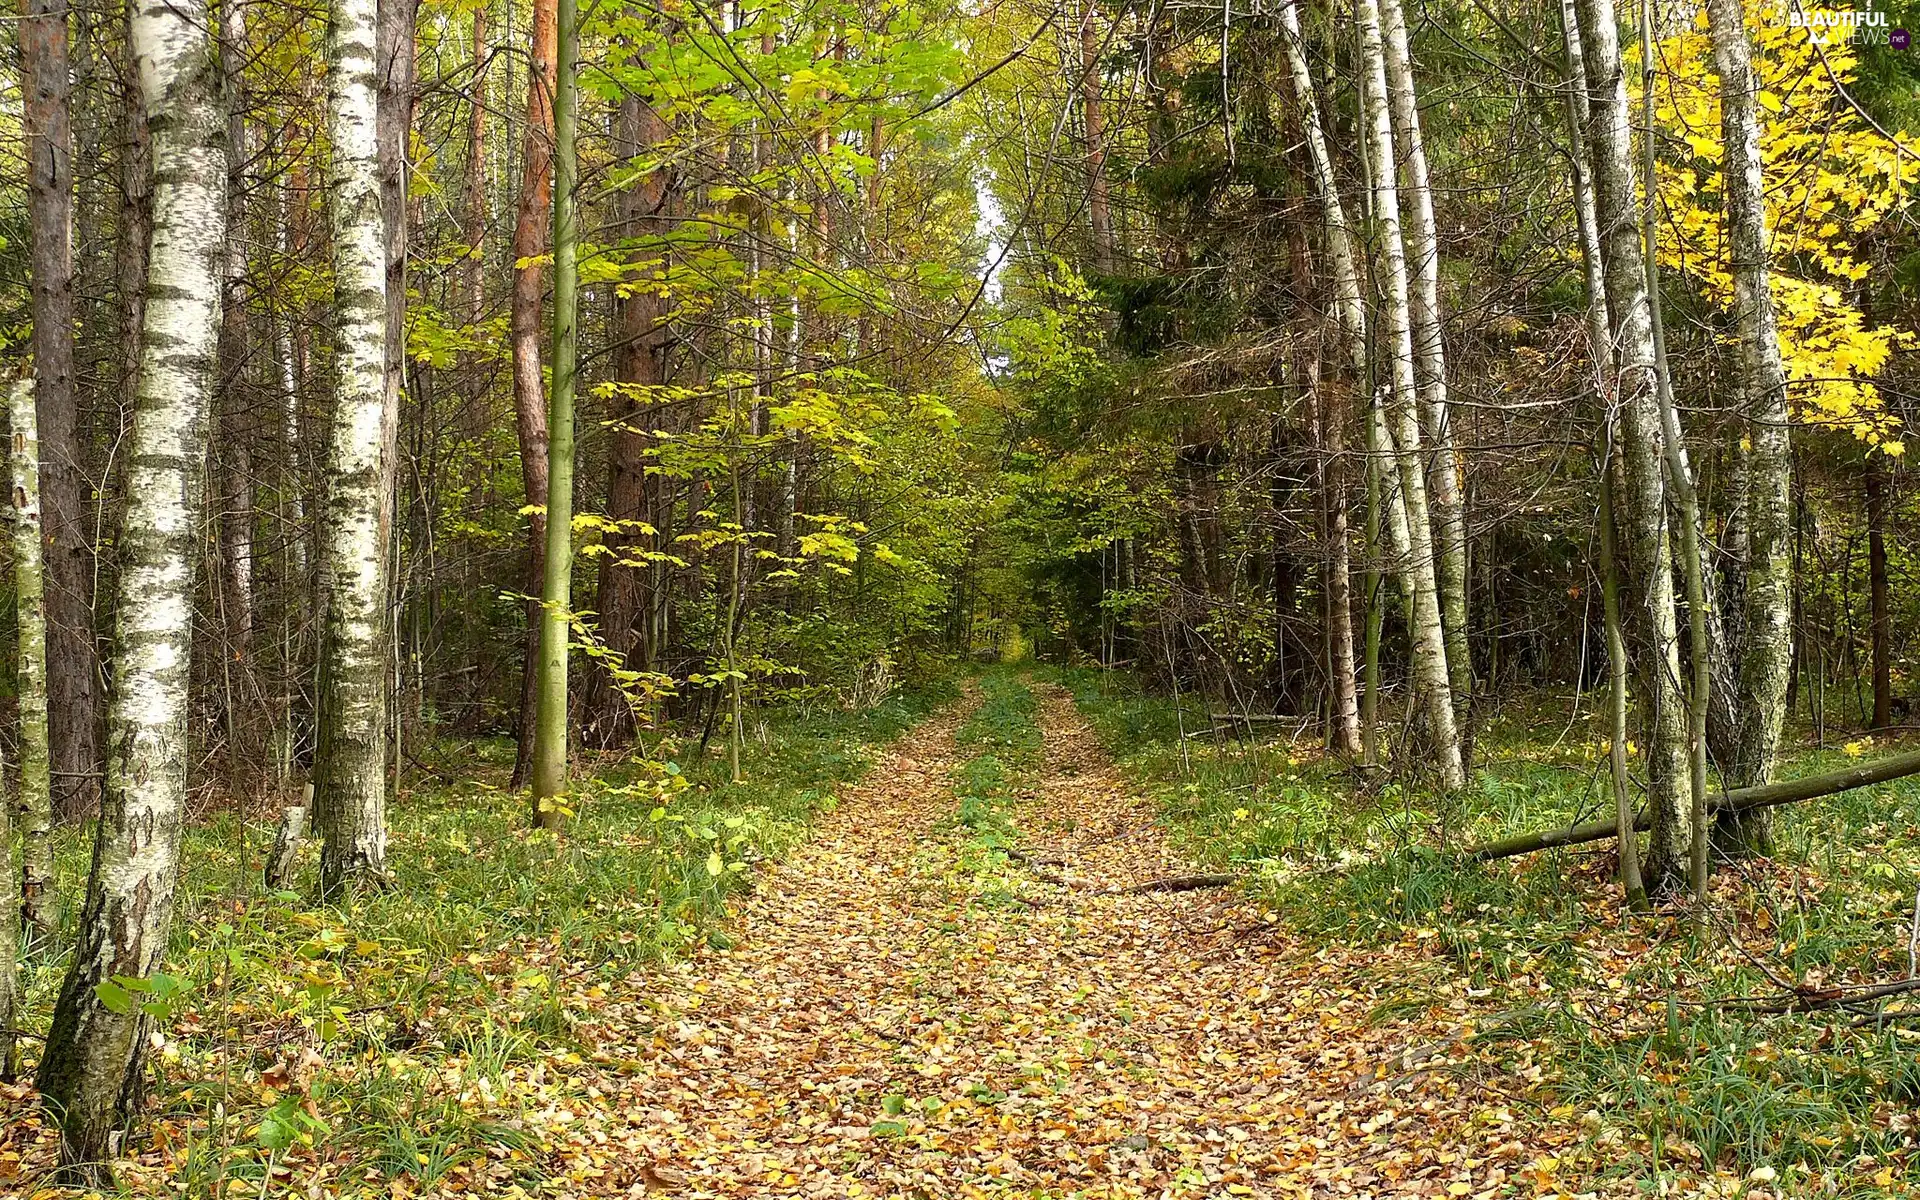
<point x="1175" y="883"/>
<point x="1806" y="999"/>
<point x="1766" y="795"/>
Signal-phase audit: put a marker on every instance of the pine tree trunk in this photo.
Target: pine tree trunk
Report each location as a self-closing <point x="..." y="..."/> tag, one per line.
<point x="1650" y="597"/>
<point x="1093" y="116"/>
<point x="640" y="363"/>
<point x="556" y="626"/>
<point x="1430" y="362"/>
<point x="1766" y="660"/>
<point x="529" y="392"/>
<point x="91" y="1069"/>
<point x="350" y="764"/>
<point x="73" y="660"/>
<point x="1432" y="675"/>
<point x="38" y="894"/>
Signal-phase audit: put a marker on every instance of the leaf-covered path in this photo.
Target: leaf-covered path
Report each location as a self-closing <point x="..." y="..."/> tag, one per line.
<point x="907" y="1014"/>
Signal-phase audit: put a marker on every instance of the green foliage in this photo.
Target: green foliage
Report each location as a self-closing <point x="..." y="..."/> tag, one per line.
<point x="1007" y="744"/>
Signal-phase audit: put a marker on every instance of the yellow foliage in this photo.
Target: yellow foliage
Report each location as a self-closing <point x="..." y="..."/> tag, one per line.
<point x="1830" y="177"/>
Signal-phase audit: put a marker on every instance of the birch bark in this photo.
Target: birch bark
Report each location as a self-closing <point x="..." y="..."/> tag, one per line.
<point x="1432" y="676"/>
<point x="1650" y="599"/>
<point x="1430" y="361"/>
<point x="39" y="899"/>
<point x="1351" y="728"/>
<point x="350" y="763"/>
<point x="1600" y="354"/>
<point x="1766" y="640"/>
<point x="91" y="1069"/>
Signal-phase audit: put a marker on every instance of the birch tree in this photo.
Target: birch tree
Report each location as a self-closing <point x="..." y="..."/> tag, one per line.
<point x="350" y="762"/>
<point x="1350" y="313"/>
<point x="1650" y="599"/>
<point x="1600" y="353"/>
<point x="91" y="1067"/>
<point x="1432" y="676"/>
<point x="1767" y="647"/>
<point x="1430" y="360"/>
<point x="39" y="899"/>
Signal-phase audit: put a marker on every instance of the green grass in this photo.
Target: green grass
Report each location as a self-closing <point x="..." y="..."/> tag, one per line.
<point x="412" y="1019"/>
<point x="1006" y="742"/>
<point x="1626" y="1018"/>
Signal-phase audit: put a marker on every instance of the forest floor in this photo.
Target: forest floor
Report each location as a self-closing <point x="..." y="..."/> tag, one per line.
<point x="910" y="1010"/>
<point x="946" y="982"/>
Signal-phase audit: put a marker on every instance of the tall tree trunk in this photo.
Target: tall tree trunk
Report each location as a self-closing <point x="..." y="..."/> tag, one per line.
<point x="38" y="894"/>
<point x="475" y="273"/>
<point x="350" y="782"/>
<point x="529" y="394"/>
<point x="640" y="366"/>
<point x="1600" y="353"/>
<point x="1766" y="660"/>
<point x="132" y="237"/>
<point x="73" y="660"/>
<point x="90" y="1072"/>
<point x="1650" y="597"/>
<point x="1879" y="620"/>
<point x="236" y="407"/>
<point x="556" y="626"/>
<point x="1353" y="726"/>
<point x="1093" y="116"/>
<point x="1432" y="676"/>
<point x="1679" y="474"/>
<point x="1430" y="362"/>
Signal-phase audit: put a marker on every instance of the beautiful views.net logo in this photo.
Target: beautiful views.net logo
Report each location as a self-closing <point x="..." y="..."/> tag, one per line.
<point x="1851" y="26"/>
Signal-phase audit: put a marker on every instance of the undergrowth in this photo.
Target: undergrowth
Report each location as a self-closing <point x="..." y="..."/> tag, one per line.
<point x="1005" y="741"/>
<point x="1629" y="1028"/>
<point x="405" y="1035"/>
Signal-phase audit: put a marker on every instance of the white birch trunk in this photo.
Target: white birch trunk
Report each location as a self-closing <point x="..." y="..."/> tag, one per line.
<point x="350" y="765"/>
<point x="1430" y="361"/>
<point x="1432" y="677"/>
<point x="39" y="899"/>
<point x="1767" y="649"/>
<point x="1600" y="355"/>
<point x="1350" y="311"/>
<point x="1650" y="600"/>
<point x="92" y="1064"/>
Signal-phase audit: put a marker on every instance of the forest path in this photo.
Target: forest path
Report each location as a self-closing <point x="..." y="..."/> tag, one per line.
<point x="909" y="1014"/>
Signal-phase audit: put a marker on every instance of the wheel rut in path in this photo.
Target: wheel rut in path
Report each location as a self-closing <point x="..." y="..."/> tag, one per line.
<point x="905" y="1013"/>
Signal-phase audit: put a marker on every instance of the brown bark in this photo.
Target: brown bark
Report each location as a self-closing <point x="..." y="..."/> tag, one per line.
<point x="1879" y="621"/>
<point x="1093" y="116"/>
<point x="529" y="406"/>
<point x="73" y="662"/>
<point x="639" y="363"/>
<point x="476" y="200"/>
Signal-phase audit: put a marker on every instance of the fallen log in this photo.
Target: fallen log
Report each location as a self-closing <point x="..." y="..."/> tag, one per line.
<point x="1766" y="795"/>
<point x="1176" y="883"/>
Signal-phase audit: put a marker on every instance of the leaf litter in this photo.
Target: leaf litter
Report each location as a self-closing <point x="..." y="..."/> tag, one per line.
<point x="903" y="1011"/>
